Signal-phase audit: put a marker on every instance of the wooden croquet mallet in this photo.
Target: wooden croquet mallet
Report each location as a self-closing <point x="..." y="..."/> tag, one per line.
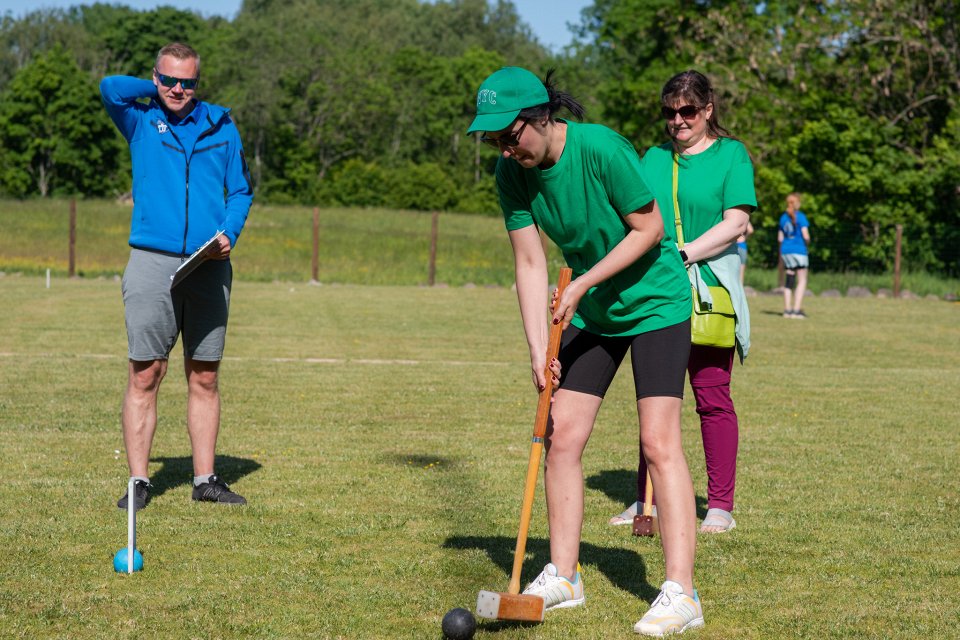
<point x="512" y="605"/>
<point x="645" y="524"/>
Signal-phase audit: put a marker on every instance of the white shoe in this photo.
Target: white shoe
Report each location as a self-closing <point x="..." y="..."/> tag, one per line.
<point x="557" y="592"/>
<point x="672" y="612"/>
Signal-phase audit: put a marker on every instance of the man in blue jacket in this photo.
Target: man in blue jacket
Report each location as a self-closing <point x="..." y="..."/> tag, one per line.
<point x="190" y="181"/>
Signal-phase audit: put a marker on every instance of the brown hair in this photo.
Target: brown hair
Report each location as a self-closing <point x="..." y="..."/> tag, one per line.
<point x="179" y="51"/>
<point x="792" y="211"/>
<point x="693" y="88"/>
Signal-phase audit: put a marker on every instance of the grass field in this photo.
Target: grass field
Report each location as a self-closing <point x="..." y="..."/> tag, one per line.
<point x="381" y="437"/>
<point x="356" y="246"/>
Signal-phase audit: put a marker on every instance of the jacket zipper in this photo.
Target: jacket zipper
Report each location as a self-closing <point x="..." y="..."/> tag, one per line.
<point x="186" y="160"/>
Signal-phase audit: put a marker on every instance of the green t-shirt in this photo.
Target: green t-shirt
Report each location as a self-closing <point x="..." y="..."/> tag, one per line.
<point x="709" y="183"/>
<point x="578" y="203"/>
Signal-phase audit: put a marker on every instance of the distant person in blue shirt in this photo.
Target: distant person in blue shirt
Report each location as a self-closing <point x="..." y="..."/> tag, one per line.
<point x="794" y="236"/>
<point x="190" y="180"/>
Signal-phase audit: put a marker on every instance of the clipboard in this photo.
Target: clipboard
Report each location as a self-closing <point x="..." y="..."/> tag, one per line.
<point x="195" y="260"/>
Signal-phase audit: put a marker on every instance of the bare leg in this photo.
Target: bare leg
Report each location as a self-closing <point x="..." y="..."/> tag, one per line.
<point x="786" y="299"/>
<point x="138" y="415"/>
<point x="676" y="508"/>
<point x="571" y="422"/>
<point x="801" y="289"/>
<point x="203" y="412"/>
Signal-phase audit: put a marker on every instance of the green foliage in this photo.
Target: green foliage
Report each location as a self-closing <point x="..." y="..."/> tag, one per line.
<point x="853" y="102"/>
<point x="358" y="184"/>
<point x="423" y="187"/>
<point x="54" y="136"/>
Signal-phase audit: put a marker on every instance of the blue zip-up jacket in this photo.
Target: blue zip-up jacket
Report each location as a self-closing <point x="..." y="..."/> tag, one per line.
<point x="181" y="196"/>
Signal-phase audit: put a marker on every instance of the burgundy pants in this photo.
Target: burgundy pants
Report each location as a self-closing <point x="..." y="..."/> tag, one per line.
<point x="709" y="369"/>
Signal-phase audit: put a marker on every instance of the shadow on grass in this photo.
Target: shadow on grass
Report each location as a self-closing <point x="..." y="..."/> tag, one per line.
<point x="624" y="568"/>
<point x="176" y="471"/>
<point x="419" y="460"/>
<point x="620" y="485"/>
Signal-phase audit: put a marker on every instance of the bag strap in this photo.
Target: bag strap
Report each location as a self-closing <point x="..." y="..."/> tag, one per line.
<point x="676" y="203"/>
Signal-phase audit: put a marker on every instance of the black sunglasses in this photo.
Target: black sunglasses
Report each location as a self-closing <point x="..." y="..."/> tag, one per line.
<point x="687" y="112"/>
<point x="507" y="140"/>
<point x="170" y="82"/>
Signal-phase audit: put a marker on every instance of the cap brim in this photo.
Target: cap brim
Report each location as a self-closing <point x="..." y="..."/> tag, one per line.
<point x="493" y="121"/>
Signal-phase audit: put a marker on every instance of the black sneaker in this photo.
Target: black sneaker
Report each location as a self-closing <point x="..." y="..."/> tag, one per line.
<point x="141" y="495"/>
<point x="216" y="490"/>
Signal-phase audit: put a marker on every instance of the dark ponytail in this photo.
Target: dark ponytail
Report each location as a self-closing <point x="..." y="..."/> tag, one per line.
<point x="557" y="100"/>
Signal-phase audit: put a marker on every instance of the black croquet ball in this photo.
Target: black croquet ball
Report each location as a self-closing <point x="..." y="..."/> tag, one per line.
<point x="458" y="624"/>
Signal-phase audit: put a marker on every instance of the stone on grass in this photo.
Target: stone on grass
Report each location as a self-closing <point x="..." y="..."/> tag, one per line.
<point x="858" y="292"/>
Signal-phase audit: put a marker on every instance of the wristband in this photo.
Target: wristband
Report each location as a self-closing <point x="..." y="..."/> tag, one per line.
<point x="683" y="256"/>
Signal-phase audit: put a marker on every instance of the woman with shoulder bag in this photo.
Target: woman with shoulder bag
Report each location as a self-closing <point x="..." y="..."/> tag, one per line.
<point x="703" y="178"/>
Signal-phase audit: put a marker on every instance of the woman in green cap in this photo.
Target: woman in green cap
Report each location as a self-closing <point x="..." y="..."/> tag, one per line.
<point x="582" y="184"/>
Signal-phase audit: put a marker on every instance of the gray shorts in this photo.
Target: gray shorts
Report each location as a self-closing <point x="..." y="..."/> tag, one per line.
<point x="796" y="260"/>
<point x="197" y="308"/>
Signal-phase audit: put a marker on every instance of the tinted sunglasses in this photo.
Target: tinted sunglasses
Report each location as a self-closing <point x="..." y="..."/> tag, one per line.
<point x="507" y="140"/>
<point x="170" y="82"/>
<point x="687" y="112"/>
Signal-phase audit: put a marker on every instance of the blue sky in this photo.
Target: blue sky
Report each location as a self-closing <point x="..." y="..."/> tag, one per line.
<point x="547" y="18"/>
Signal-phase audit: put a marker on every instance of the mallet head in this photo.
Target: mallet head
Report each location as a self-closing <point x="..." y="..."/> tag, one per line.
<point x="645" y="526"/>
<point x="510" y="606"/>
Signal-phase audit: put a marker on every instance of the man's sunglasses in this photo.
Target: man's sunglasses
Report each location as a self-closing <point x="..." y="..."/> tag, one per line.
<point x="687" y="112"/>
<point x="507" y="140"/>
<point x="170" y="82"/>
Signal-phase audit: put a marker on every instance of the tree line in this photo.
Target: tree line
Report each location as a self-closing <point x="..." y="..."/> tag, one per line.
<point x="364" y="102"/>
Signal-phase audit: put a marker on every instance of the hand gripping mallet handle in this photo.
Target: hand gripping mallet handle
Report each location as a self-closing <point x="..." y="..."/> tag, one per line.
<point x="131" y="524"/>
<point x="536" y="447"/>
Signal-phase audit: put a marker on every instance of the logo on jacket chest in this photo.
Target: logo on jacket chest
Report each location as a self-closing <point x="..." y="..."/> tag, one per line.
<point x="161" y="126"/>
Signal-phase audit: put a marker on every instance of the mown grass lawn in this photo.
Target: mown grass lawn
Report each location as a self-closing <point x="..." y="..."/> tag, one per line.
<point x="381" y="434"/>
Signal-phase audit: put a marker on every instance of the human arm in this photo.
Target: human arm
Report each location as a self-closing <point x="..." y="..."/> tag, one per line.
<point x="645" y="232"/>
<point x="119" y="95"/>
<point x="239" y="190"/>
<point x="734" y="224"/>
<point x="805" y="232"/>
<point x="530" y="265"/>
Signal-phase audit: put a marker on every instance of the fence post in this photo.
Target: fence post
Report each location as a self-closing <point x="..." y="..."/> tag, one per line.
<point x="72" y="266"/>
<point x="315" y="261"/>
<point x="896" y="262"/>
<point x="434" y="227"/>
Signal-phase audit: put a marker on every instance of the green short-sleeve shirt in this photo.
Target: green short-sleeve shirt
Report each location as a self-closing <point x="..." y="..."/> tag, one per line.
<point x="579" y="203"/>
<point x="709" y="183"/>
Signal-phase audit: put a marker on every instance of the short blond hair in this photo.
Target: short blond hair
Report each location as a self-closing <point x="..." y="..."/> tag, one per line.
<point x="179" y="51"/>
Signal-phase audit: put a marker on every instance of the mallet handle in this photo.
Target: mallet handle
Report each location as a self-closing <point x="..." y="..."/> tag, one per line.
<point x="648" y="496"/>
<point x="536" y="447"/>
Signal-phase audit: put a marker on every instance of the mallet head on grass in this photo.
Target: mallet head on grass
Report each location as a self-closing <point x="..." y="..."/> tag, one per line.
<point x="510" y="606"/>
<point x="645" y="524"/>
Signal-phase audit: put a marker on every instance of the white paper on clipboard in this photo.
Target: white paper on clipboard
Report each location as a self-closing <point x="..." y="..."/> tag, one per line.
<point x="195" y="260"/>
